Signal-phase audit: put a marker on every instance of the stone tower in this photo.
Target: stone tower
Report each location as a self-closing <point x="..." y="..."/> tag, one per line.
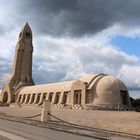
<point x="22" y="68"/>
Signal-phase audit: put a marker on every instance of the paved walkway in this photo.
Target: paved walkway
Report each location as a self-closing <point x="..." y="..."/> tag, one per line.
<point x="20" y="131"/>
<point x="128" y="122"/>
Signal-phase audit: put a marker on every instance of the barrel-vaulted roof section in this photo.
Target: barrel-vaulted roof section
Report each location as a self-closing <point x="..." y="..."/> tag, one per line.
<point x="53" y="87"/>
<point x="58" y="87"/>
<point x="88" y="77"/>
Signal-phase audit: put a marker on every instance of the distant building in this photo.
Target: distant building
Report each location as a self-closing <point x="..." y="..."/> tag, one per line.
<point x="99" y="91"/>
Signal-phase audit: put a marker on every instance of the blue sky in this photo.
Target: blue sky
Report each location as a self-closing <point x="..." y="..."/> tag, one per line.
<point x="73" y="38"/>
<point x="127" y="44"/>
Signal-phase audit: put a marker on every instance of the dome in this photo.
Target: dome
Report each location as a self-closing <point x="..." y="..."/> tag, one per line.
<point x="110" y="83"/>
<point x="110" y="91"/>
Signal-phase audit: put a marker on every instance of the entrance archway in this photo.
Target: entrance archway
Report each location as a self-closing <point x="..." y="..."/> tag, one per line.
<point x="50" y="97"/>
<point x="33" y="98"/>
<point x="124" y="97"/>
<point x="57" y="98"/>
<point x="65" y="98"/>
<point x="5" y="97"/>
<point x="77" y="96"/>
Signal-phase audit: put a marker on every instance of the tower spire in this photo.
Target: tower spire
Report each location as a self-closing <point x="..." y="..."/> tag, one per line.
<point x="22" y="68"/>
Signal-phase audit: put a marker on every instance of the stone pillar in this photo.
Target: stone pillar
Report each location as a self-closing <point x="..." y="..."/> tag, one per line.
<point x="68" y="98"/>
<point x="79" y="99"/>
<point x="20" y="99"/>
<point x="47" y="97"/>
<point x="30" y="99"/>
<point x="83" y="95"/>
<point x="36" y="96"/>
<point x="41" y="99"/>
<point x="54" y="98"/>
<point x="26" y="98"/>
<point x="61" y="98"/>
<point x="23" y="98"/>
<point x="46" y="109"/>
<point x="72" y="100"/>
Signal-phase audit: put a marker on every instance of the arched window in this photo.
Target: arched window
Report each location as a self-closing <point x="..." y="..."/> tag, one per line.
<point x="5" y="97"/>
<point x="51" y="96"/>
<point x="57" y="97"/>
<point x="23" y="98"/>
<point x="20" y="35"/>
<point x="65" y="98"/>
<point x="26" y="79"/>
<point x="19" y="100"/>
<point x="38" y="98"/>
<point x="44" y="96"/>
<point x="28" y="98"/>
<point x="33" y="98"/>
<point x="27" y="35"/>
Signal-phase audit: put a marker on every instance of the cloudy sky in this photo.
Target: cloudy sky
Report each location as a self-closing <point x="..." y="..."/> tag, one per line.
<point x="75" y="37"/>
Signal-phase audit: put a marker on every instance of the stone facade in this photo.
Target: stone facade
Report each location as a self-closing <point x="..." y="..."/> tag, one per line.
<point x="97" y="91"/>
<point x="22" y="68"/>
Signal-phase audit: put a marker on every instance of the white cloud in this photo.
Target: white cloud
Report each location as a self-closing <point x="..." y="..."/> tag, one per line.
<point x="8" y="43"/>
<point x="118" y="29"/>
<point x="130" y="75"/>
<point x="5" y="67"/>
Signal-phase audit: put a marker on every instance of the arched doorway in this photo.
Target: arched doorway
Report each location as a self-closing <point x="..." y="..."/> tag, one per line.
<point x="50" y="97"/>
<point x="19" y="100"/>
<point x="28" y="98"/>
<point x="33" y="98"/>
<point x="65" y="98"/>
<point x="38" y="98"/>
<point x="5" y="97"/>
<point x="57" y="98"/>
<point x="124" y="97"/>
<point x="77" y="97"/>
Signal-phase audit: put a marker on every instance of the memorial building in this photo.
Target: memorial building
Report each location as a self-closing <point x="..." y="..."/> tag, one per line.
<point x="98" y="91"/>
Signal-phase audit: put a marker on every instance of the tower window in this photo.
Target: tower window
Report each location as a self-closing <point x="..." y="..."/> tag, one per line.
<point x="27" y="34"/>
<point x="20" y="35"/>
<point x="26" y="79"/>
